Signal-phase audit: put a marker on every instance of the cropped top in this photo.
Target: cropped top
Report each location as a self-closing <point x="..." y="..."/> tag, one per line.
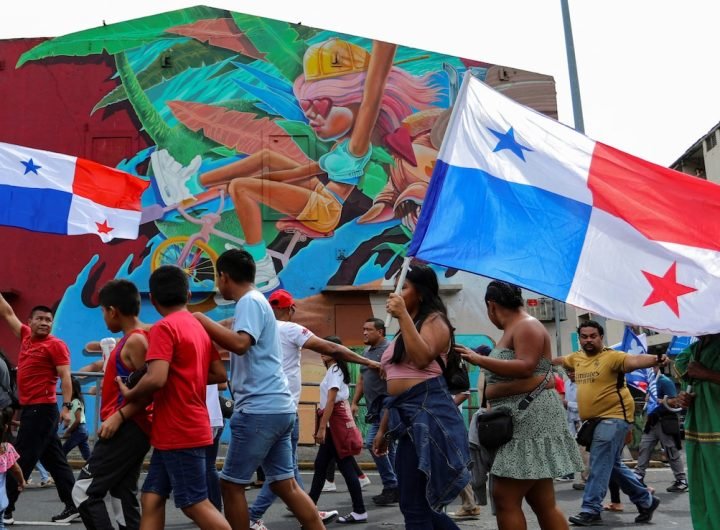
<point x="507" y="354"/>
<point x="407" y="369"/>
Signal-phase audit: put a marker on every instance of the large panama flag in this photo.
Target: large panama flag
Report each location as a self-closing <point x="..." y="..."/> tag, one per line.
<point x="519" y="197"/>
<point x="60" y="194"/>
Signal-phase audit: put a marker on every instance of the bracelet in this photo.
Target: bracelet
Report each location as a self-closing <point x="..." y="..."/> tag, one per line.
<point x="122" y="415"/>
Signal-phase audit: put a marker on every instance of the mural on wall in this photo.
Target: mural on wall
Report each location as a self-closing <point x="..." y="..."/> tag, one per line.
<point x="310" y="149"/>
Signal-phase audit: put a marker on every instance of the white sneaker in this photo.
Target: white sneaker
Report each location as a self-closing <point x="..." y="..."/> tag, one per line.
<point x="328" y="516"/>
<point x="364" y="481"/>
<point x="329" y="486"/>
<point x="257" y="525"/>
<point x="265" y="276"/>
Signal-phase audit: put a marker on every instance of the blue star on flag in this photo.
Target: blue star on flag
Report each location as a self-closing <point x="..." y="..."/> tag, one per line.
<point x="507" y="141"/>
<point x="30" y="166"/>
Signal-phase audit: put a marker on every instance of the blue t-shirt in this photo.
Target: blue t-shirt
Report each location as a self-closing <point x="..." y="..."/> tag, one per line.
<point x="665" y="387"/>
<point x="258" y="382"/>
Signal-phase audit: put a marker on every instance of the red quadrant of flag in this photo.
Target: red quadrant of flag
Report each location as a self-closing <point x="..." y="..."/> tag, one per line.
<point x="107" y="186"/>
<point x="662" y="204"/>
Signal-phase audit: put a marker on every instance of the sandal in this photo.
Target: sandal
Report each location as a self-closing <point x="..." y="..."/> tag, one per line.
<point x="614" y="507"/>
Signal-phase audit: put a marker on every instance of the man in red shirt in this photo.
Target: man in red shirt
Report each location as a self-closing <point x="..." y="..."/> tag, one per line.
<point x="42" y="359"/>
<point x="181" y="361"/>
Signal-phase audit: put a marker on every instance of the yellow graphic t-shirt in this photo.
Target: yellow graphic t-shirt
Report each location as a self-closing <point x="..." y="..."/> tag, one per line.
<point x="596" y="377"/>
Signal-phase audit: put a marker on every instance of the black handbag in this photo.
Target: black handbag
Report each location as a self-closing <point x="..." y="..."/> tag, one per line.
<point x="135" y="376"/>
<point x="670" y="424"/>
<point x="226" y="406"/>
<point x="586" y="431"/>
<point x="455" y="372"/>
<point x="495" y="427"/>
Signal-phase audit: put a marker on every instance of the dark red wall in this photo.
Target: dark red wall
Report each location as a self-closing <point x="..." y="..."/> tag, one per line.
<point x="47" y="105"/>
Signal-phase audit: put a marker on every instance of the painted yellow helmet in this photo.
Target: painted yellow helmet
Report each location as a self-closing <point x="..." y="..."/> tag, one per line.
<point x="333" y="58"/>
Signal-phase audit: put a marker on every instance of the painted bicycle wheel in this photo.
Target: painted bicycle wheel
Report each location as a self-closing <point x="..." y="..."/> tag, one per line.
<point x="199" y="265"/>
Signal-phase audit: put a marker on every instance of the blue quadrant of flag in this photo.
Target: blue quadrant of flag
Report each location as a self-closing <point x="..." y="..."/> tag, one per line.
<point x="471" y="207"/>
<point x="43" y="210"/>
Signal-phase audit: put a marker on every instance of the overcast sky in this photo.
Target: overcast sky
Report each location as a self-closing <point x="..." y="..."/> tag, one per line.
<point x="649" y="74"/>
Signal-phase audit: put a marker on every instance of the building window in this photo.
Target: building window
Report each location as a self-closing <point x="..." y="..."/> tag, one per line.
<point x="710" y="141"/>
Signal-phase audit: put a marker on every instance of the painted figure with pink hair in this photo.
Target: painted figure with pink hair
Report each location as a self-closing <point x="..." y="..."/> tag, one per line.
<point x="349" y="96"/>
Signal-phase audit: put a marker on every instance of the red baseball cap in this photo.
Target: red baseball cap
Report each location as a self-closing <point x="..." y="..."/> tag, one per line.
<point x="281" y="299"/>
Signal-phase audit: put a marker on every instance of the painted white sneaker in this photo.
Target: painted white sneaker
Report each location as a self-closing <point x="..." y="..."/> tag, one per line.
<point x="328" y="516"/>
<point x="265" y="276"/>
<point x="364" y="481"/>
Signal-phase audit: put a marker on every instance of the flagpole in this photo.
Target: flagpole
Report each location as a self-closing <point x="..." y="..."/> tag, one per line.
<point x="577" y="118"/>
<point x="399" y="286"/>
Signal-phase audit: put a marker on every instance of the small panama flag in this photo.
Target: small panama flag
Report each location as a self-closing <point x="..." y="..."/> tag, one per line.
<point x="50" y="192"/>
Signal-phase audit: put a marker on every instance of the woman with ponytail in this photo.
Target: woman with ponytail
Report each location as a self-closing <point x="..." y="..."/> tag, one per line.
<point x="541" y="447"/>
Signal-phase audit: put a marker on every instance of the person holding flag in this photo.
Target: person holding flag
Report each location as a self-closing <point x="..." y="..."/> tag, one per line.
<point x="662" y="426"/>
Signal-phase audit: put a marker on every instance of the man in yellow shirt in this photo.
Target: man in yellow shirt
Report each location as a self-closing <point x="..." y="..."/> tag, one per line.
<point x="604" y="398"/>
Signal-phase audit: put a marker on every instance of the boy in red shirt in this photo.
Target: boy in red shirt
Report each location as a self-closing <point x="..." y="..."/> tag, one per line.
<point x="181" y="361"/>
<point x="124" y="436"/>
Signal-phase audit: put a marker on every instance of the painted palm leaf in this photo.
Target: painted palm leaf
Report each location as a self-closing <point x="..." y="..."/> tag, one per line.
<point x="184" y="56"/>
<point x="116" y="38"/>
<point x="220" y="32"/>
<point x="237" y="130"/>
<point x="279" y="41"/>
<point x="271" y="80"/>
<point x="277" y="103"/>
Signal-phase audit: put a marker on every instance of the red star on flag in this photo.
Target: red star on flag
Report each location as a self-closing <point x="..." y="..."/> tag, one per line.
<point x="104" y="228"/>
<point x="667" y="289"/>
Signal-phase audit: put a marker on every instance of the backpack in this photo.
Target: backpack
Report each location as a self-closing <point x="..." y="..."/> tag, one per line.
<point x="12" y="375"/>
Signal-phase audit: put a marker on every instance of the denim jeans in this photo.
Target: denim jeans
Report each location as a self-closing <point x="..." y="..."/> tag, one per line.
<point x="181" y="472"/>
<point x="213" y="479"/>
<point x="413" y="498"/>
<point x="259" y="440"/>
<point x="606" y="463"/>
<point x="266" y="497"/>
<point x="385" y="464"/>
<point x="44" y="475"/>
<point x="78" y="438"/>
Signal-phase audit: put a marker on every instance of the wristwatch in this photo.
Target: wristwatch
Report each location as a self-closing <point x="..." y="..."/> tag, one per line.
<point x="67" y="405"/>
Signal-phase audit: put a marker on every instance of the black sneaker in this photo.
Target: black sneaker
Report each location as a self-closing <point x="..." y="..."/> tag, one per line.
<point x="68" y="515"/>
<point x="8" y="518"/>
<point x="586" y="519"/>
<point x="679" y="486"/>
<point x="646" y="514"/>
<point x="387" y="497"/>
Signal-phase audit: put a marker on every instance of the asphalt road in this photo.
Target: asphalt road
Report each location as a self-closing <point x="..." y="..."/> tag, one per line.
<point x="40" y="504"/>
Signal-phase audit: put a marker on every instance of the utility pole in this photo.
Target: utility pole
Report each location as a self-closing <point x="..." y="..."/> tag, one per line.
<point x="577" y="118"/>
